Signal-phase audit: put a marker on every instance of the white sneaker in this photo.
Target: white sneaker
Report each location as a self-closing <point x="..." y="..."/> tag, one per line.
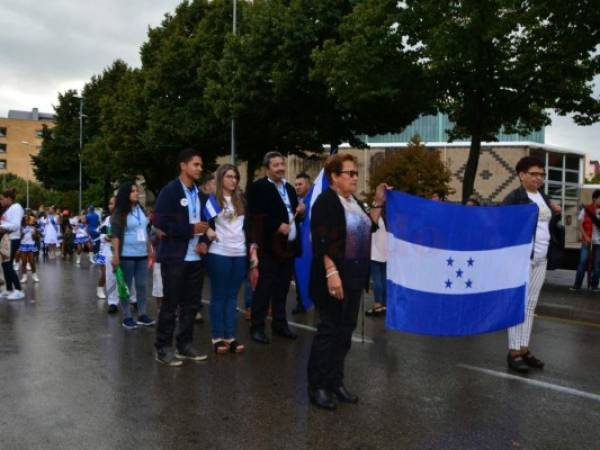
<point x="78" y="259"/>
<point x="35" y="278"/>
<point x="16" y="295"/>
<point x="100" y="292"/>
<point x="23" y="279"/>
<point x="5" y="294"/>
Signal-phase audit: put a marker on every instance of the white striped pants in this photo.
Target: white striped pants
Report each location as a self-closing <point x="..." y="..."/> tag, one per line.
<point x="519" y="335"/>
<point x="112" y="294"/>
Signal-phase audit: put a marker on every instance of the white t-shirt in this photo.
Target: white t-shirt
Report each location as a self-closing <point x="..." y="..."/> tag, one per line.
<point x="231" y="240"/>
<point x="595" y="231"/>
<point x="27" y="237"/>
<point x="105" y="246"/>
<point x="542" y="234"/>
<point x="11" y="220"/>
<point x="379" y="243"/>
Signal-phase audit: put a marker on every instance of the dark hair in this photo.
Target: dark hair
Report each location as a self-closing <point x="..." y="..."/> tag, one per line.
<point x="269" y="156"/>
<point x="303" y="175"/>
<point x="595" y="194"/>
<point x="335" y="163"/>
<point x="122" y="202"/>
<point x="206" y="177"/>
<point x="9" y="193"/>
<point x="527" y="162"/>
<point x="187" y="154"/>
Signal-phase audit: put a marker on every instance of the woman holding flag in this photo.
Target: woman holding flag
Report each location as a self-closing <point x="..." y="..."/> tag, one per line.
<point x="229" y="256"/>
<point x="341" y="241"/>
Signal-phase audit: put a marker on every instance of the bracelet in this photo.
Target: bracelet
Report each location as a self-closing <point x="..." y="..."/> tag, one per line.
<point x="330" y="274"/>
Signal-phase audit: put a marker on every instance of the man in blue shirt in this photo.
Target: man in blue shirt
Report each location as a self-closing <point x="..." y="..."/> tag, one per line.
<point x="93" y="223"/>
<point x="178" y="214"/>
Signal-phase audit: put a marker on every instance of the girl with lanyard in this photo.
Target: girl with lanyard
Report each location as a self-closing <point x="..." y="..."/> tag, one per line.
<point x="131" y="248"/>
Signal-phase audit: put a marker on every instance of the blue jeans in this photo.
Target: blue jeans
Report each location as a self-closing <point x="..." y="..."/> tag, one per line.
<point x="378" y="275"/>
<point x="226" y="274"/>
<point x="583" y="264"/>
<point x="135" y="269"/>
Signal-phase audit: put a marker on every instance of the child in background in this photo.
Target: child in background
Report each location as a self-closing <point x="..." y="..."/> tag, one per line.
<point x="28" y="248"/>
<point x="68" y="245"/>
<point x="82" y="239"/>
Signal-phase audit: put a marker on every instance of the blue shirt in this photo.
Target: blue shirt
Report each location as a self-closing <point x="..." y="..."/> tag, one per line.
<point x="93" y="222"/>
<point x="135" y="230"/>
<point x="193" y="206"/>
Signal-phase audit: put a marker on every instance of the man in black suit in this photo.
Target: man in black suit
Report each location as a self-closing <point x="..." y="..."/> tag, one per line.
<point x="275" y="213"/>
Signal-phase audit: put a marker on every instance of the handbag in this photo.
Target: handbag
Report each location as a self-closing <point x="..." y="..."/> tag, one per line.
<point x="5" y="247"/>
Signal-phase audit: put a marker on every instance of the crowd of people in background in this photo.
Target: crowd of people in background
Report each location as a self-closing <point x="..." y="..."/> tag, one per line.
<point x="205" y="226"/>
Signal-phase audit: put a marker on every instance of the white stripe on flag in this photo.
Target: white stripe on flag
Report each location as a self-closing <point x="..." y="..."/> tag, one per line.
<point x="441" y="271"/>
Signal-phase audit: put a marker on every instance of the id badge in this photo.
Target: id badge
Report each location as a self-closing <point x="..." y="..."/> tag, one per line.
<point x="141" y="235"/>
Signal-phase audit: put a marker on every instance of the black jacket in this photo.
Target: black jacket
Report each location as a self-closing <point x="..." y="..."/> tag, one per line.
<point x="267" y="212"/>
<point x="328" y="231"/>
<point x="171" y="216"/>
<point x="557" y="232"/>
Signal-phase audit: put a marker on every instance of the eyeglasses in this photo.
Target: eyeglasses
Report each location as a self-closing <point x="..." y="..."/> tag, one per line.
<point x="350" y="173"/>
<point x="231" y="177"/>
<point x="537" y="174"/>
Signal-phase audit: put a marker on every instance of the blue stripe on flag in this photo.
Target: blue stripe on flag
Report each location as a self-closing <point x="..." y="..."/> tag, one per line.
<point x="453" y="315"/>
<point x="211" y="208"/>
<point x="457" y="227"/>
<point x="304" y="262"/>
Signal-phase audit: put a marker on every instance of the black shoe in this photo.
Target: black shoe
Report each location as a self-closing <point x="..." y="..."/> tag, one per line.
<point x="260" y="337"/>
<point x="532" y="361"/>
<point x="298" y="310"/>
<point x="322" y="398"/>
<point x="343" y="395"/>
<point x="285" y="332"/>
<point x="191" y="354"/>
<point x="167" y="358"/>
<point x="517" y="363"/>
<point x="112" y="309"/>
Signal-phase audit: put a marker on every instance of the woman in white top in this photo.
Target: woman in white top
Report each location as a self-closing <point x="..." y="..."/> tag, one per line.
<point x="11" y="223"/>
<point x="51" y="224"/>
<point x="228" y="257"/>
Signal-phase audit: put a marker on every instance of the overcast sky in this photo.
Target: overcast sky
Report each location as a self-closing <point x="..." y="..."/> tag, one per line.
<point x="49" y="48"/>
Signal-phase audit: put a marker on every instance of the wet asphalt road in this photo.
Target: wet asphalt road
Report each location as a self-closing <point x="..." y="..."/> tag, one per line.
<point x="72" y="378"/>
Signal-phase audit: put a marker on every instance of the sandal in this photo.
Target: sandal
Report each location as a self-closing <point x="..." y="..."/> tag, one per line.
<point x="221" y="347"/>
<point x="236" y="347"/>
<point x="376" y="312"/>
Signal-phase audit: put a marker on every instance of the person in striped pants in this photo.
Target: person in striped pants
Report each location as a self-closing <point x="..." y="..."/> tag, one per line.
<point x="532" y="174"/>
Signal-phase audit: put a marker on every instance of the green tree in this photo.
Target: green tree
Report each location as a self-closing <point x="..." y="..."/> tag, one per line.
<point x="494" y="65"/>
<point x="415" y="170"/>
<point x="57" y="164"/>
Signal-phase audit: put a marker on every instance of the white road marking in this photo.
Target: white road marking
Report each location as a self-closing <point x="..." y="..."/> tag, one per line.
<point x="543" y="384"/>
<point x="355" y="337"/>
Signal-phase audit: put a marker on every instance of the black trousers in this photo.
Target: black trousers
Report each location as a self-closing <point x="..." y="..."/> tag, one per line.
<point x="182" y="283"/>
<point x="273" y="285"/>
<point x="10" y="276"/>
<point x="333" y="340"/>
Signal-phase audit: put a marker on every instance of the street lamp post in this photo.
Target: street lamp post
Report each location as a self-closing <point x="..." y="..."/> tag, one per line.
<point x="80" y="150"/>
<point x="232" y="118"/>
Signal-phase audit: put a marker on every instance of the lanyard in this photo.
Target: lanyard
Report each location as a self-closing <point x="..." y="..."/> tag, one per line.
<point x="192" y="196"/>
<point x="137" y="215"/>
<point x="284" y="195"/>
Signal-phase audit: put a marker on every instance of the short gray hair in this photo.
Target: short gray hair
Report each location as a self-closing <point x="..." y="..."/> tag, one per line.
<point x="269" y="156"/>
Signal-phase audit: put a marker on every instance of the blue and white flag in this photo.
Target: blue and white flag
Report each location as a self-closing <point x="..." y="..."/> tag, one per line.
<point x="211" y="208"/>
<point x="454" y="270"/>
<point x="303" y="263"/>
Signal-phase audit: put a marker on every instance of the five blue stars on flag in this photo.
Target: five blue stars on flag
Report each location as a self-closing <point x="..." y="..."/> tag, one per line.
<point x="459" y="273"/>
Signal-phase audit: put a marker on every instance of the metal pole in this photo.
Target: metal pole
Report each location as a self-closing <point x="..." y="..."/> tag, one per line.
<point x="27" y="188"/>
<point x="232" y="119"/>
<point x="80" y="150"/>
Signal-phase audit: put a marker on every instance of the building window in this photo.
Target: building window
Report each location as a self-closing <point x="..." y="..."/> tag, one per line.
<point x="2" y="164"/>
<point x="2" y="131"/>
<point x="2" y="148"/>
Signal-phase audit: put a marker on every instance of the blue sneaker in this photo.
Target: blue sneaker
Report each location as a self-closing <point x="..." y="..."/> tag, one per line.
<point x="129" y="324"/>
<point x="145" y="321"/>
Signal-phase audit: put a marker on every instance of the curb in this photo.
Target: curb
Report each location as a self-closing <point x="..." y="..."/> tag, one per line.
<point x="568" y="312"/>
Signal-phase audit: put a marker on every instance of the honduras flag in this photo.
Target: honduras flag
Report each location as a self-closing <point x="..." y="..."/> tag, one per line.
<point x="454" y="270"/>
<point x="303" y="263"/>
<point x="211" y="208"/>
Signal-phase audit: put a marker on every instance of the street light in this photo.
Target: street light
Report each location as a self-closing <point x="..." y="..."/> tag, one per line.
<point x="81" y="116"/>
<point x="27" y="177"/>
<point x="232" y="118"/>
